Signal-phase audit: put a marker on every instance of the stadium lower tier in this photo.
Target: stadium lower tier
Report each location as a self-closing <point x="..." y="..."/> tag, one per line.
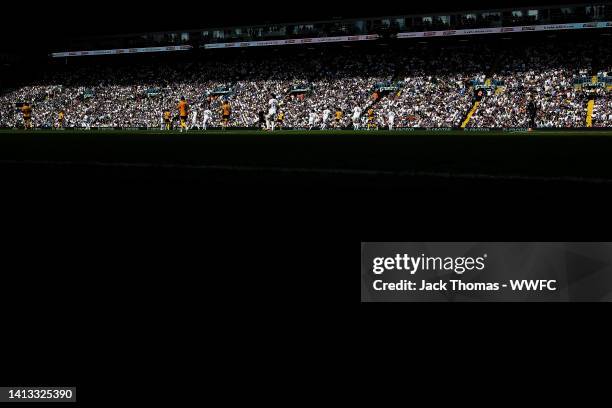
<point x="538" y="84"/>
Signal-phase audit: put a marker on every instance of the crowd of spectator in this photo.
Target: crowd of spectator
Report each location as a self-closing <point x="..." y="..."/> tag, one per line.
<point x="434" y="88"/>
<point x="437" y="87"/>
<point x="542" y="74"/>
<point x="602" y="111"/>
<point x="136" y="96"/>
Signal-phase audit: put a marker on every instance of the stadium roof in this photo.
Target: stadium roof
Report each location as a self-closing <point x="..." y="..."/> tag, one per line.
<point x="48" y="24"/>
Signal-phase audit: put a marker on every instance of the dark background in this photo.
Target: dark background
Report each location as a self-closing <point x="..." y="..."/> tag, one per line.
<point x="45" y="23"/>
<point x="110" y="281"/>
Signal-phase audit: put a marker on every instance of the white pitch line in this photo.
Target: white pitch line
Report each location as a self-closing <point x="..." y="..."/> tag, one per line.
<point x="347" y="172"/>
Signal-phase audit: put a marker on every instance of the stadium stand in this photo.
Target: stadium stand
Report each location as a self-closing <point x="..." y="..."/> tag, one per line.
<point x="533" y="81"/>
<point x="544" y="74"/>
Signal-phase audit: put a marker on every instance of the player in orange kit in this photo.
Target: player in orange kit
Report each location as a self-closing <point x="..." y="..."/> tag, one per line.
<point x="183" y="109"/>
<point x="26" y="111"/>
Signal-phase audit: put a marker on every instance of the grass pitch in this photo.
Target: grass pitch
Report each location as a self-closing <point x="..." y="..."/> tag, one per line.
<point x="544" y="154"/>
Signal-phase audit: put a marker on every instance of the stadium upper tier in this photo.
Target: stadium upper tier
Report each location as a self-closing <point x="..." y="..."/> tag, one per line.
<point x="402" y="26"/>
<point x="544" y="83"/>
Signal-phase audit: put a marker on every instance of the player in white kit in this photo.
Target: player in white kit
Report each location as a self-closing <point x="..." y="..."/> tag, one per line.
<point x="271" y="116"/>
<point x="326" y="114"/>
<point x="391" y="119"/>
<point x="312" y="118"/>
<point x="207" y="118"/>
<point x="356" y="117"/>
<point x="194" y="119"/>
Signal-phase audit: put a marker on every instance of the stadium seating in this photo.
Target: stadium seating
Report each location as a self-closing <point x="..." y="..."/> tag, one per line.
<point x="437" y="87"/>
